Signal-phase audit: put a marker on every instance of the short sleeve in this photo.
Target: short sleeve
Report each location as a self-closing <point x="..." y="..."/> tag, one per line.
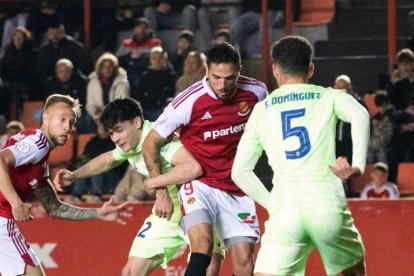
<point x="168" y="150"/>
<point x="30" y="150"/>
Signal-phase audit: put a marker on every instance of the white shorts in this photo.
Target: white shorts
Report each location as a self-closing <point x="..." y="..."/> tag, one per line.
<point x="234" y="217"/>
<point x="15" y="253"/>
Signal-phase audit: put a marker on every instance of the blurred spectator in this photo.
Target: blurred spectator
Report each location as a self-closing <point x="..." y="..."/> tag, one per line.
<point x="223" y="35"/>
<point x="156" y="85"/>
<point x="161" y="16"/>
<point x="59" y="46"/>
<point x="108" y="82"/>
<point x="401" y="88"/>
<point x="100" y="184"/>
<point x="17" y="19"/>
<point x="184" y="46"/>
<point x="131" y="187"/>
<point x="382" y="129"/>
<point x="402" y="145"/>
<point x="343" y="130"/>
<point x="40" y="19"/>
<point x="12" y="128"/>
<point x="380" y="188"/>
<point x="143" y="39"/>
<point x="211" y="17"/>
<point x="72" y="82"/>
<point x="125" y="19"/>
<point x="18" y="68"/>
<point x="194" y="70"/>
<point x="250" y="22"/>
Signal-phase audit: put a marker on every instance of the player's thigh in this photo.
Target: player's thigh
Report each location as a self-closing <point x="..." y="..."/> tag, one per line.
<point x="198" y="205"/>
<point x="15" y="253"/>
<point x="141" y="266"/>
<point x="34" y="271"/>
<point x="285" y="246"/>
<point x="237" y="219"/>
<point x="336" y="238"/>
<point x="157" y="237"/>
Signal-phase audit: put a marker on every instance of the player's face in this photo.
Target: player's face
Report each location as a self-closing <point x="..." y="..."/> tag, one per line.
<point x="59" y="119"/>
<point x="222" y="79"/>
<point x="125" y="135"/>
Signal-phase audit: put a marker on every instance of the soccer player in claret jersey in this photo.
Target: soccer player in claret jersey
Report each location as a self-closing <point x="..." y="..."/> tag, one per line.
<point x="160" y="236"/>
<point x="211" y="115"/>
<point x="24" y="171"/>
<point x="307" y="207"/>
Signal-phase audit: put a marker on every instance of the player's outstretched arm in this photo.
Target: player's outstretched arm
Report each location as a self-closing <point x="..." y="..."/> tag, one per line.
<point x="98" y="165"/>
<point x="60" y="210"/>
<point x="20" y="210"/>
<point x="186" y="168"/>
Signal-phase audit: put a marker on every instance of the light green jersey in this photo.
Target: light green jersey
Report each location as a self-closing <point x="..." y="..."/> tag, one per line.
<point x="296" y="125"/>
<point x="136" y="159"/>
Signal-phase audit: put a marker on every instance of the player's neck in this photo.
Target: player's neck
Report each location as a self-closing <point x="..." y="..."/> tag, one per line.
<point x="288" y="79"/>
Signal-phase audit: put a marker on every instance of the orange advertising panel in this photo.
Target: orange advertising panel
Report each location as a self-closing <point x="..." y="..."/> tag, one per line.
<point x="101" y="248"/>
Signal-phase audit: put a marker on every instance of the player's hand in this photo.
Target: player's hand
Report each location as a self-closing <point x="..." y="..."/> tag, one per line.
<point x="343" y="169"/>
<point x="110" y="212"/>
<point x="149" y="186"/>
<point x="21" y="212"/>
<point x="163" y="205"/>
<point x="62" y="179"/>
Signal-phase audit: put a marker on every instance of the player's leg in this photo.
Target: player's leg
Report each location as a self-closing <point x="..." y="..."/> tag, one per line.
<point x="155" y="244"/>
<point x="217" y="257"/>
<point x="242" y="258"/>
<point x="34" y="271"/>
<point x="16" y="257"/>
<point x="140" y="266"/>
<point x="340" y="245"/>
<point x="199" y="211"/>
<point x="238" y="226"/>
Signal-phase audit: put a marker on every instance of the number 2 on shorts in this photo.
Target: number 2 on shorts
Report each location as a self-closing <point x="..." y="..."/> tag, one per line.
<point x="146" y="228"/>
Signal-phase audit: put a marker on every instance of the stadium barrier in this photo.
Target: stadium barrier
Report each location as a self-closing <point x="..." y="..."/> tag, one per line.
<point x="101" y="248"/>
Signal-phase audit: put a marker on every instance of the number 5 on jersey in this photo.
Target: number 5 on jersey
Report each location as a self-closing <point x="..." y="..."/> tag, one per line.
<point x="300" y="132"/>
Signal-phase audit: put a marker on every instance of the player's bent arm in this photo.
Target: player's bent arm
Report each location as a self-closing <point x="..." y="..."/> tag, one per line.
<point x="242" y="172"/>
<point x="186" y="168"/>
<point x="7" y="160"/>
<point x="151" y="152"/>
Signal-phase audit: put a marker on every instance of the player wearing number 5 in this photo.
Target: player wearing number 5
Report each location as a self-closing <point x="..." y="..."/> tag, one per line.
<point x="307" y="207"/>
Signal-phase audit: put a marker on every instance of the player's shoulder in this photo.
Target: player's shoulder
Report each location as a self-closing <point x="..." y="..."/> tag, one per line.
<point x="252" y="85"/>
<point x="189" y="96"/>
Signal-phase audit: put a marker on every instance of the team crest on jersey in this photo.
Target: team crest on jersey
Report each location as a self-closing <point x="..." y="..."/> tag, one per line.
<point x="23" y="147"/>
<point x="191" y="200"/>
<point x="244" y="109"/>
<point x="247" y="218"/>
<point x="34" y="184"/>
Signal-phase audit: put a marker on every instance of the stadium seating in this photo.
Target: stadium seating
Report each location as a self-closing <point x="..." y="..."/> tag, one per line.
<point x="358" y="183"/>
<point x="316" y="12"/>
<point x="83" y="139"/>
<point x="62" y="156"/>
<point x="405" y="179"/>
<point x="32" y="113"/>
<point x="369" y="101"/>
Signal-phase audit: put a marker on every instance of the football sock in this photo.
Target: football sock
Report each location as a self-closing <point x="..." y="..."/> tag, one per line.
<point x="198" y="265"/>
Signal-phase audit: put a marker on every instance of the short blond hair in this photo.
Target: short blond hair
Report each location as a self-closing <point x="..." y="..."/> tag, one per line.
<point x="59" y="98"/>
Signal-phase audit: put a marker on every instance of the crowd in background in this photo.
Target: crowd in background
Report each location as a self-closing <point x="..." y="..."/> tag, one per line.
<point x="147" y="50"/>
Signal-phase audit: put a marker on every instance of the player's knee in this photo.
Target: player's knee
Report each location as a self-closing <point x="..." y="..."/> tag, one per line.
<point x="243" y="269"/>
<point x="127" y="271"/>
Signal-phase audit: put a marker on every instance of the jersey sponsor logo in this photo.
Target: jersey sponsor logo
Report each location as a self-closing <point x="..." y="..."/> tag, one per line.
<point x="23" y="147"/>
<point x="247" y="218"/>
<point x="213" y="134"/>
<point x="244" y="109"/>
<point x="207" y="116"/>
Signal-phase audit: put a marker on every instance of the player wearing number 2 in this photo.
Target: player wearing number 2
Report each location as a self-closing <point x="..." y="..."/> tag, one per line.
<point x="307" y="207"/>
<point x="160" y="237"/>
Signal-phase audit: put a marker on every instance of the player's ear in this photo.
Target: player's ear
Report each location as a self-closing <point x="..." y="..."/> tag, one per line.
<point x="275" y="70"/>
<point x="311" y="70"/>
<point x="138" y="122"/>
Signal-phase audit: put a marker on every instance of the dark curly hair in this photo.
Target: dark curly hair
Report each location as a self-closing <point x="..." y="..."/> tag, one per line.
<point x="126" y="109"/>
